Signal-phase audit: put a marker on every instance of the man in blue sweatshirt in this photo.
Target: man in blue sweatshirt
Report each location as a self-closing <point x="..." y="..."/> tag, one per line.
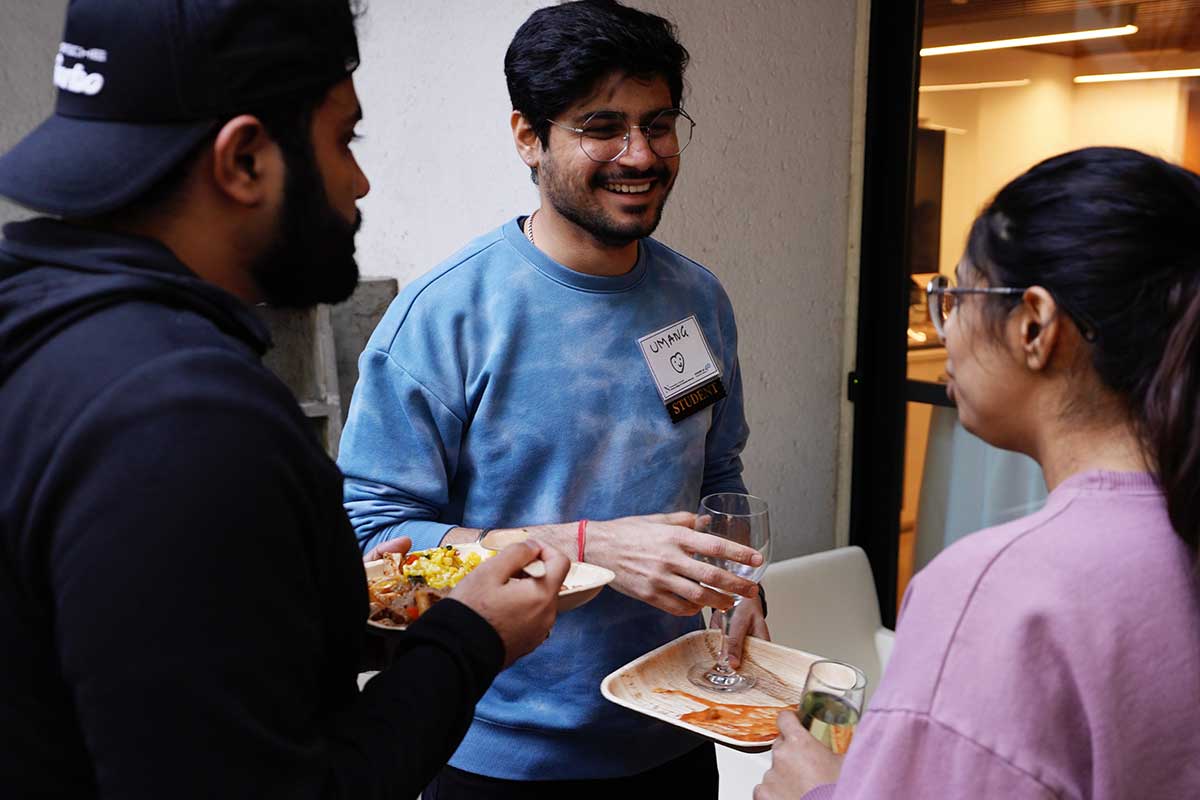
<point x="182" y="605"/>
<point x="570" y="379"/>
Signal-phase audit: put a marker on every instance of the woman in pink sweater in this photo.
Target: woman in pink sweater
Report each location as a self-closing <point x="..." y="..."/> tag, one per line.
<point x="1057" y="656"/>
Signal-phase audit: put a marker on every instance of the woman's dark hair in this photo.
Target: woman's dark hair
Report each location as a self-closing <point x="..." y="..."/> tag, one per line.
<point x="559" y="54"/>
<point x="1114" y="236"/>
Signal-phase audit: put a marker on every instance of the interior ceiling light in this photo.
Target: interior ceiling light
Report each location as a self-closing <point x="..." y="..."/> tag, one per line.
<point x="1029" y="41"/>
<point x="1139" y="76"/>
<point x="965" y="87"/>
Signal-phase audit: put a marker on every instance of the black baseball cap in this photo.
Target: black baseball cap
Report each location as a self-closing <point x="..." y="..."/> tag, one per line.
<point x="142" y="82"/>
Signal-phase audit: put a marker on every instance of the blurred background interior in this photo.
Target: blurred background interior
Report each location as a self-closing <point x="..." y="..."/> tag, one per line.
<point x="1083" y="73"/>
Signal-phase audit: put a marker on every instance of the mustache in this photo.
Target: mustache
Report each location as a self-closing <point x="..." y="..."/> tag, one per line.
<point x="657" y="173"/>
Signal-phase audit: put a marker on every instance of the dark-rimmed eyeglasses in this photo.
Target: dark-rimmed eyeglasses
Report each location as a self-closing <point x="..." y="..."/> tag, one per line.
<point x="605" y="135"/>
<point x="940" y="293"/>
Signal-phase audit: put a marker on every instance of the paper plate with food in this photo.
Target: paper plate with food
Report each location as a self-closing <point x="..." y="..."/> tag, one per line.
<point x="403" y="586"/>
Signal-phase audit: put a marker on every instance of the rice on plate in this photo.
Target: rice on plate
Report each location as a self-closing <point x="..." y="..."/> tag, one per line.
<point x="407" y="585"/>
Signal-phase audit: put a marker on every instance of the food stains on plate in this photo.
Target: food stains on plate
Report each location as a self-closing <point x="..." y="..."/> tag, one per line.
<point x="745" y="722"/>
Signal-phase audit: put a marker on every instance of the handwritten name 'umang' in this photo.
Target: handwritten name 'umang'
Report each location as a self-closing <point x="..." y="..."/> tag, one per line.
<point x="670" y="340"/>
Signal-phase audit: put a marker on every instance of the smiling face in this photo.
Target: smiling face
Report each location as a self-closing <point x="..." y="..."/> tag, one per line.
<point x="620" y="201"/>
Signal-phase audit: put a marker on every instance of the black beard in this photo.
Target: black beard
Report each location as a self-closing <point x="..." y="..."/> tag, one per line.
<point x="311" y="257"/>
<point x="599" y="225"/>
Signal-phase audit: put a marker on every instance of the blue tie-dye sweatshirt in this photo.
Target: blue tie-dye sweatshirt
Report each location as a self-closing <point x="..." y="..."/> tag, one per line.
<point x="504" y="389"/>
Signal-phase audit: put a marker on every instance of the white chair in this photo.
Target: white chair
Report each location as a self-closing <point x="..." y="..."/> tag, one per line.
<point x="824" y="603"/>
<point x="968" y="485"/>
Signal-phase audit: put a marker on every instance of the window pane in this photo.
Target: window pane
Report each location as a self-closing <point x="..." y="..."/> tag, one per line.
<point x="985" y="116"/>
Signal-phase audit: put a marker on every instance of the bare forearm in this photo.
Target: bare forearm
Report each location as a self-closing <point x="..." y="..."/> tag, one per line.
<point x="561" y="537"/>
<point x="651" y="556"/>
<point x="461" y="536"/>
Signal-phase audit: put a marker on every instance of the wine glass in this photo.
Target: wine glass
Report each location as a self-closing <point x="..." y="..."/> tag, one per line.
<point x="740" y="518"/>
<point x="832" y="703"/>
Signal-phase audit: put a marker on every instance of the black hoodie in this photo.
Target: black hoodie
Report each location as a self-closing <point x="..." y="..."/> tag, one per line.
<point x="181" y="596"/>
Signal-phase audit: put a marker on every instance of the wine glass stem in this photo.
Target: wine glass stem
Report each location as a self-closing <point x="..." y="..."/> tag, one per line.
<point x="722" y="665"/>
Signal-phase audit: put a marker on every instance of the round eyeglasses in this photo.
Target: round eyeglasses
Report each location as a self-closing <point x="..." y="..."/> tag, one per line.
<point x="605" y="135"/>
<point x="940" y="294"/>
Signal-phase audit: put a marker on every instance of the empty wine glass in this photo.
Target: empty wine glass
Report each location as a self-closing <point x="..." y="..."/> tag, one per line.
<point x="740" y="518"/>
<point x="832" y="703"/>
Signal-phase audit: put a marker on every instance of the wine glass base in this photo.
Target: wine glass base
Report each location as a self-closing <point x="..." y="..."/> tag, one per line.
<point x="709" y="677"/>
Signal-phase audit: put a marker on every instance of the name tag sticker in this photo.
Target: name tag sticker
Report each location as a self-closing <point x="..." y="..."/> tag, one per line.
<point x="684" y="370"/>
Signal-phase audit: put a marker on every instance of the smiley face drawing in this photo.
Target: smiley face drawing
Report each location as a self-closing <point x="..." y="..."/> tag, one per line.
<point x="677" y="362"/>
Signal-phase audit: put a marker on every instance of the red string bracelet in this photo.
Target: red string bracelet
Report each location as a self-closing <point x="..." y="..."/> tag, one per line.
<point x="582" y="536"/>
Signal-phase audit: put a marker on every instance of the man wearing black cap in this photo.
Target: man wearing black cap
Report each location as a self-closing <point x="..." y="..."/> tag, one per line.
<point x="181" y="598"/>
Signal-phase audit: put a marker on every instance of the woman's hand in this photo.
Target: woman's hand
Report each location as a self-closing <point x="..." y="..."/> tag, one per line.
<point x="799" y="763"/>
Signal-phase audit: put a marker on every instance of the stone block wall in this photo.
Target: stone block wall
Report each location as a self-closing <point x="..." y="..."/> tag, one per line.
<point x="316" y="353"/>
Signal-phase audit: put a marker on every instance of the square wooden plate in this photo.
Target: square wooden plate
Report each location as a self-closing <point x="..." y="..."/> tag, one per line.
<point x="651" y="684"/>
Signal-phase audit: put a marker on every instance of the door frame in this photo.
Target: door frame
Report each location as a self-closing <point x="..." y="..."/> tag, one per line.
<point x="876" y="386"/>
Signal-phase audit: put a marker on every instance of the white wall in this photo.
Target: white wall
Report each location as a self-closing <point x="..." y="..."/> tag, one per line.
<point x="1005" y="131"/>
<point x="29" y="34"/>
<point x="762" y="199"/>
<point x="1147" y="115"/>
<point x="437" y="145"/>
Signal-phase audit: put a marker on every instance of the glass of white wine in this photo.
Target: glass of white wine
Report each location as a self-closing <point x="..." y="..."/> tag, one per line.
<point x="740" y="518"/>
<point x="832" y="703"/>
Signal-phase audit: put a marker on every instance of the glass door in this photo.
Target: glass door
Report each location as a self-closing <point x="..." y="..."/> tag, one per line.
<point x="995" y="86"/>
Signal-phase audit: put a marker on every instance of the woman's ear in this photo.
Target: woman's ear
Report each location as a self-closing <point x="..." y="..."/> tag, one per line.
<point x="1038" y="325"/>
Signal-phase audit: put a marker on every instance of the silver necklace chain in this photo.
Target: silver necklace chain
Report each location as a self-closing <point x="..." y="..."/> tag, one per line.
<point x="529" y="227"/>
